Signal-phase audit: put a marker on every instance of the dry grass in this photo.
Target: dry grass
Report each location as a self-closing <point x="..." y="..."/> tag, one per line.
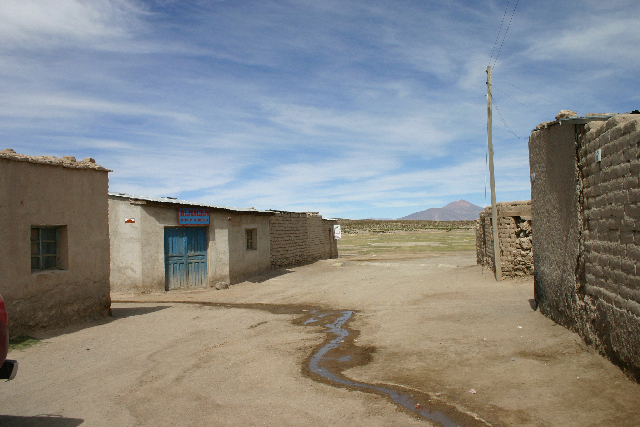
<point x="368" y="226"/>
<point x="366" y="237"/>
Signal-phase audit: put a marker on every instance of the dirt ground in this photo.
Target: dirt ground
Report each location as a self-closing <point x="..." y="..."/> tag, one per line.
<point x="437" y="324"/>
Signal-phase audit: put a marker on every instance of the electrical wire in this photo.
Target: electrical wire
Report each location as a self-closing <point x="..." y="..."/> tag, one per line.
<point x="526" y="91"/>
<point x="495" y="106"/>
<point x="505" y="32"/>
<point x="518" y="102"/>
<point x="499" y="31"/>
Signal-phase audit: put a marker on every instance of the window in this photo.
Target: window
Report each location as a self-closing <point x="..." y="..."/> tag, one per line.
<point x="45" y="251"/>
<point x="251" y="237"/>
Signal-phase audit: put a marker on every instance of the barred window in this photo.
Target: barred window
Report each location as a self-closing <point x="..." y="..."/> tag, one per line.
<point x="44" y="248"/>
<point x="251" y="236"/>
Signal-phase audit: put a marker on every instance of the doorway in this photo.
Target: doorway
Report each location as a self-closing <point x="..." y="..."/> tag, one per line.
<point x="185" y="254"/>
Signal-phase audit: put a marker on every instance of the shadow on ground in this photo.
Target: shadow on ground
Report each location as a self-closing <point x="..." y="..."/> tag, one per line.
<point x="39" y="421"/>
<point x="116" y="313"/>
<point x="124" y="312"/>
<point x="260" y="278"/>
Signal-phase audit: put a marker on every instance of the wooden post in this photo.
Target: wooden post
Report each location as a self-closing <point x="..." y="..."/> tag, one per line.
<point x="494" y="208"/>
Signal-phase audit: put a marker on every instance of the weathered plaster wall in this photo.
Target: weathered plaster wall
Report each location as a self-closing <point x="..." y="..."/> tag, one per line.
<point x="514" y="231"/>
<point x="137" y="249"/>
<point x="556" y="225"/>
<point x="46" y="191"/>
<point x="586" y="232"/>
<point x="300" y="237"/>
<point x="244" y="262"/>
<point x="126" y="250"/>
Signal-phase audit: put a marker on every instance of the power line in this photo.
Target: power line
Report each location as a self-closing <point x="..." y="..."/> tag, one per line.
<point x="505" y="123"/>
<point x="499" y="30"/>
<point x="518" y="102"/>
<point x="505" y="32"/>
<point x="530" y="93"/>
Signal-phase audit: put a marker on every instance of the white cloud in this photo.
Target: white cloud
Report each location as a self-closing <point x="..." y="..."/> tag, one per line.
<point x="58" y="106"/>
<point x="43" y="23"/>
<point x="101" y="144"/>
<point x="609" y="37"/>
<point x="340" y="106"/>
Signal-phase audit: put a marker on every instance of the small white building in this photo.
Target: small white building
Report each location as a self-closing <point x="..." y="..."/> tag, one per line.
<point x="160" y="244"/>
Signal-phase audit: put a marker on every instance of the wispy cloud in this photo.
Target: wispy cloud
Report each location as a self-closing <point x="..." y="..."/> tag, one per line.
<point x="351" y="108"/>
<point x="35" y="23"/>
<point x="52" y="106"/>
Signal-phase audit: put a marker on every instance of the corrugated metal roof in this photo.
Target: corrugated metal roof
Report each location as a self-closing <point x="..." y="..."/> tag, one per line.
<point x="588" y="118"/>
<point x="172" y="201"/>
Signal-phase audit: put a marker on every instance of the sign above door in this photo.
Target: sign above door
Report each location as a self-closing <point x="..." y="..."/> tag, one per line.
<point x="193" y="216"/>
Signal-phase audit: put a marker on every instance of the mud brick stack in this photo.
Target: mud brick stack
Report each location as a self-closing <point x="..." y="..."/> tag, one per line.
<point x="300" y="238"/>
<point x="514" y="232"/>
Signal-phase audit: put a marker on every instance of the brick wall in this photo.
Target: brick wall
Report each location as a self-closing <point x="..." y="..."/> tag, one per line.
<point x="587" y="232"/>
<point x="514" y="232"/>
<point x="300" y="238"/>
<point x="609" y="260"/>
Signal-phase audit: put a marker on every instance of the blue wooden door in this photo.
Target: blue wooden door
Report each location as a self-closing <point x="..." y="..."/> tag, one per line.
<point x="185" y="252"/>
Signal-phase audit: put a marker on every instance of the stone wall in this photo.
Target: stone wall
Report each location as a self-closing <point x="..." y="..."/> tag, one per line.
<point x="588" y="246"/>
<point x="300" y="237"/>
<point x="514" y="231"/>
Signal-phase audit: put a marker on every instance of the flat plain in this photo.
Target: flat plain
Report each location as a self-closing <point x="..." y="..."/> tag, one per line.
<point x="428" y="319"/>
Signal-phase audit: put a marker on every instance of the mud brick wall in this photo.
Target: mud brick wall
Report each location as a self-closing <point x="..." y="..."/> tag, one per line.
<point x="300" y="238"/>
<point x="611" y="237"/>
<point x="595" y="289"/>
<point x="514" y="232"/>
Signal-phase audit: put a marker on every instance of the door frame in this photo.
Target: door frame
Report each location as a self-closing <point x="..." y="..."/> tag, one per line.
<point x="188" y="262"/>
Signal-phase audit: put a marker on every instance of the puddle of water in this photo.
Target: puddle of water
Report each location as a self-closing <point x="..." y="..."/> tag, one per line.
<point x="316" y="318"/>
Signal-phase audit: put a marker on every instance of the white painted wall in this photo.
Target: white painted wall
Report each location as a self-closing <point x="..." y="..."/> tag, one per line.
<point x="137" y="250"/>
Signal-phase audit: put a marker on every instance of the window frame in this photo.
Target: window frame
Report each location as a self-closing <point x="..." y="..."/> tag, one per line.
<point x="48" y="248"/>
<point x="45" y="242"/>
<point x="251" y="239"/>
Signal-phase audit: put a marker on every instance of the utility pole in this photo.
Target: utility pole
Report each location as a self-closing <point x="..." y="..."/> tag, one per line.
<point x="494" y="209"/>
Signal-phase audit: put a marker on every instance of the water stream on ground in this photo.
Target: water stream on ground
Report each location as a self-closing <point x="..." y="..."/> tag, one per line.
<point x="316" y="365"/>
<point x="340" y="352"/>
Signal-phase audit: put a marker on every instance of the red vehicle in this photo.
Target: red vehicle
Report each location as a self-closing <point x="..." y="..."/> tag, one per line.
<point x="9" y="368"/>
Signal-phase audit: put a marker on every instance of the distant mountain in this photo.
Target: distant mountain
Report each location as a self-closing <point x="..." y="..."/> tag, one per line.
<point x="454" y="211"/>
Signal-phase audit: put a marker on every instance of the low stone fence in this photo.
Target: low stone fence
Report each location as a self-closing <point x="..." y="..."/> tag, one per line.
<point x="514" y="232"/>
<point x="300" y="238"/>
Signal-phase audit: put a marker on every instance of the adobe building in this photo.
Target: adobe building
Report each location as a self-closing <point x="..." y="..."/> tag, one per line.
<point x="54" y="234"/>
<point x="160" y="244"/>
<point x="585" y="195"/>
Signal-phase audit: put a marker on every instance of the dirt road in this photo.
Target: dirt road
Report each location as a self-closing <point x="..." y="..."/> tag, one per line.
<point x="437" y="325"/>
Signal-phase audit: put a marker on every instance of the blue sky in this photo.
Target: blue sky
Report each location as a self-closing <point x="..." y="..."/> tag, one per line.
<point x="353" y="109"/>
